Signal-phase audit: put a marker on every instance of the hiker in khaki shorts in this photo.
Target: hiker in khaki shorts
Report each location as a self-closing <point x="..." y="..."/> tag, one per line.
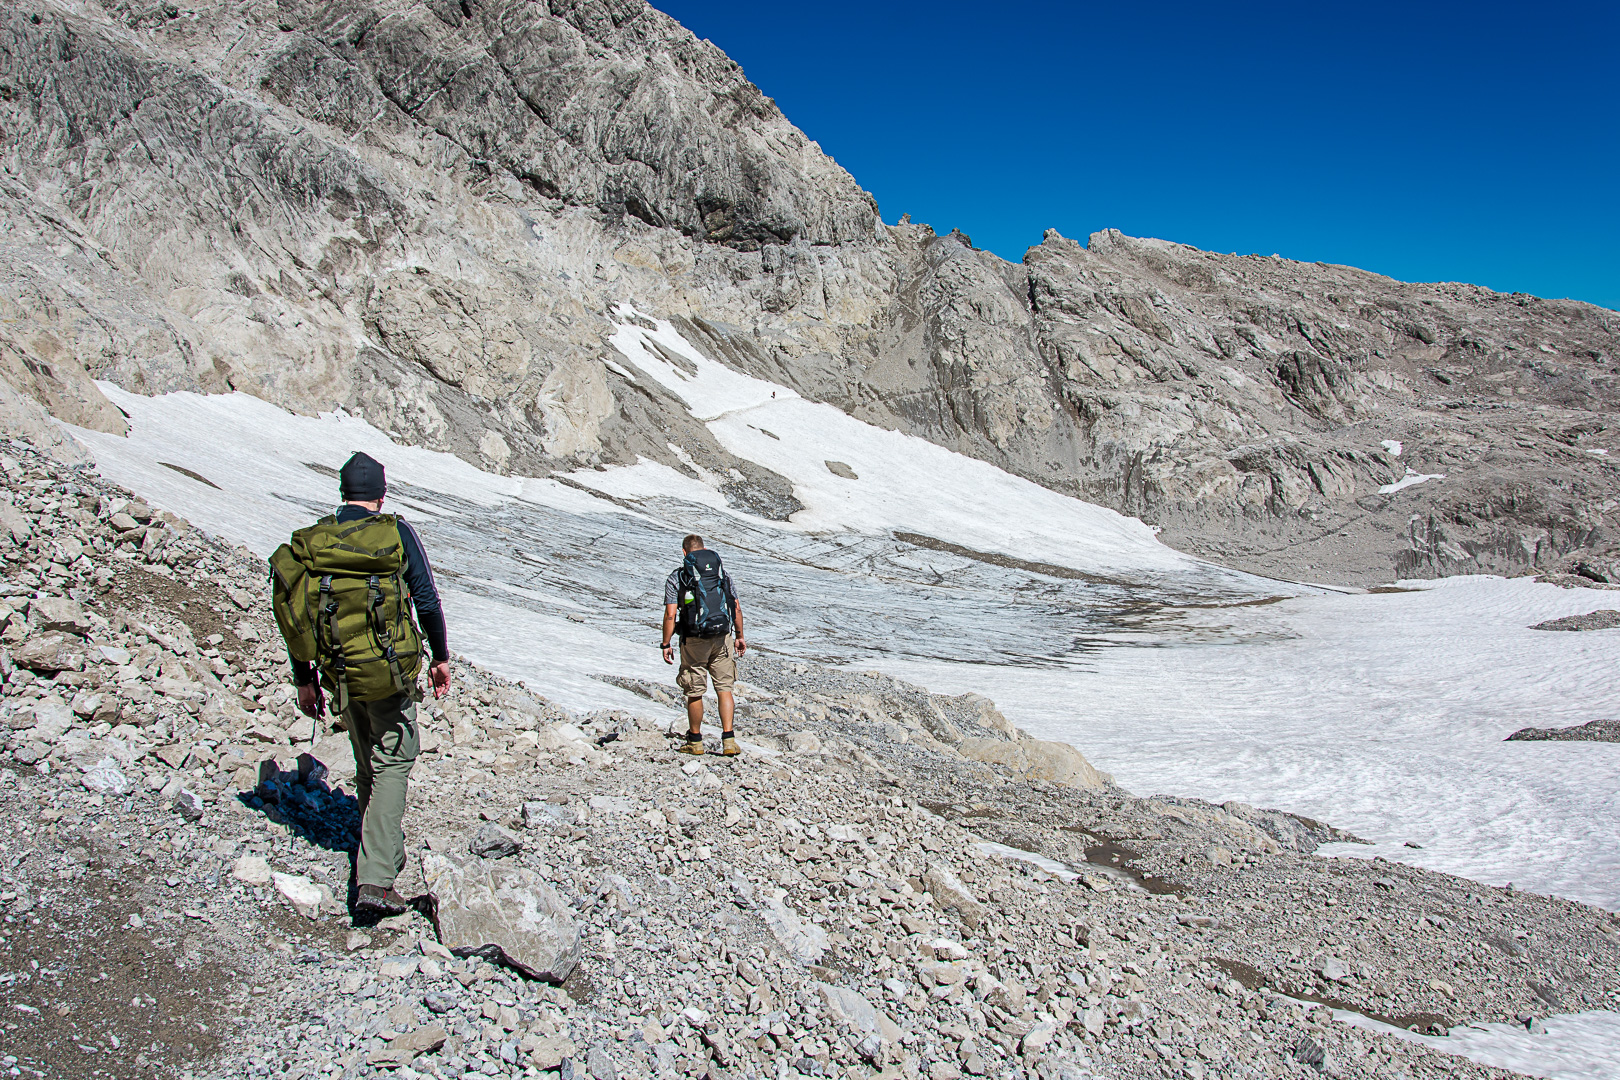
<point x="700" y="603"/>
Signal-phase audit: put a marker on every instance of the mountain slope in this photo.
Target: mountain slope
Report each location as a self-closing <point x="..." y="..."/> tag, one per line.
<point x="426" y="213"/>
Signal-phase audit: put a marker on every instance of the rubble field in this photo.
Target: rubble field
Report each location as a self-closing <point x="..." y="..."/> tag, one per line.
<point x="887" y="883"/>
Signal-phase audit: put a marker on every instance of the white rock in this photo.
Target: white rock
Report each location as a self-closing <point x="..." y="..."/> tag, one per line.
<point x="858" y="1013"/>
<point x="1041" y="1035"/>
<point x="804" y="941"/>
<point x="251" y="869"/>
<point x="1034" y="759"/>
<point x="1334" y="969"/>
<point x="302" y="893"/>
<point x="104" y="778"/>
<point x="497" y="903"/>
<point x="52" y="719"/>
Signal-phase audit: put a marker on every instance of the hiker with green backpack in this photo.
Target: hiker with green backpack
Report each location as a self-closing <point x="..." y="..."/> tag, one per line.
<point x="343" y="591"/>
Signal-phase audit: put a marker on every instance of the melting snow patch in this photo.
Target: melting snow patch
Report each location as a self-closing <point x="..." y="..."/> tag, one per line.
<point x="1393" y="446"/>
<point x="1579" y="1046"/>
<point x="1411" y="479"/>
<point x="857" y="478"/>
<point x="1061" y="871"/>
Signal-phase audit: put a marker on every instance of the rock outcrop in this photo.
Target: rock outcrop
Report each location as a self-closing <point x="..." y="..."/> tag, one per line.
<point x="426" y="214"/>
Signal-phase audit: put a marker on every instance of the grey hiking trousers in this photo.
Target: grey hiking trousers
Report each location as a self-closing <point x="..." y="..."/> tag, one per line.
<point x="385" y="740"/>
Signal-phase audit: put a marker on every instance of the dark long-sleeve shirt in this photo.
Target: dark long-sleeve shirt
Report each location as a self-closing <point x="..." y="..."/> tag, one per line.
<point x="418" y="579"/>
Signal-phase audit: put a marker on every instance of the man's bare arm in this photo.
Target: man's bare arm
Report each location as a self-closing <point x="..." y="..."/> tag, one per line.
<point x="669" y="632"/>
<point x="736" y="617"/>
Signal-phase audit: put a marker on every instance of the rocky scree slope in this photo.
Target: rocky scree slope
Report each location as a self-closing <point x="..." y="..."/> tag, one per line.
<point x="426" y="214"/>
<point x="827" y="905"/>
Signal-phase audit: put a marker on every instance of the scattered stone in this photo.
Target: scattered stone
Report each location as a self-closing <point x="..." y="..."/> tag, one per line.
<point x="188" y="805"/>
<point x="699" y="895"/>
<point x="494" y="842"/>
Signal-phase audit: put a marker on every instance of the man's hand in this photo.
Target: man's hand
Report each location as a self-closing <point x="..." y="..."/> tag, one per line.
<point x="669" y="654"/>
<point x="310" y="702"/>
<point x="742" y="646"/>
<point x="439" y="677"/>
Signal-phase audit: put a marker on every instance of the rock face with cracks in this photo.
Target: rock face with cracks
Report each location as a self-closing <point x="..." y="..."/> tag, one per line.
<point x="427" y="215"/>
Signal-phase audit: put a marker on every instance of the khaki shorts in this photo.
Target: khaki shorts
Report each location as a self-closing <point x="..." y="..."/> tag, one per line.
<point x="705" y="658"/>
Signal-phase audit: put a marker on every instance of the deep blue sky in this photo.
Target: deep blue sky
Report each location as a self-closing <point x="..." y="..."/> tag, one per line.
<point x="1436" y="141"/>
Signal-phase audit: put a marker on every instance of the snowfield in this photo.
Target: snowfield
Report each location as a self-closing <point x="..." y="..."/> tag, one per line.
<point x="1382" y="713"/>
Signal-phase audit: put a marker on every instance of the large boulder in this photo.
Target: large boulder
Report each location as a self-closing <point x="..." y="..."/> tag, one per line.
<point x="503" y="911"/>
<point x="1035" y="759"/>
<point x="50" y="653"/>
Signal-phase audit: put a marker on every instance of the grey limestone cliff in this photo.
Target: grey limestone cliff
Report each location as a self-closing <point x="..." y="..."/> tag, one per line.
<point x="425" y="213"/>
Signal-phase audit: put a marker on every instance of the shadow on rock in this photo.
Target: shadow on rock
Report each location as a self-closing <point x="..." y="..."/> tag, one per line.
<point x="301" y="800"/>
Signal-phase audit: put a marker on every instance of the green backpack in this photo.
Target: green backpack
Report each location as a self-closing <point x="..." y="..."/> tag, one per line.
<point x="340" y="600"/>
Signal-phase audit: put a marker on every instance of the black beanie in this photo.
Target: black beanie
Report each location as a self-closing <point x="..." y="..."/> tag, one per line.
<point x="361" y="479"/>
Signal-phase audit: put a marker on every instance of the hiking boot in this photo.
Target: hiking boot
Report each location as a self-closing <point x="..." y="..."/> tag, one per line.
<point x="377" y="898"/>
<point x="692" y="746"/>
<point x="728" y="745"/>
